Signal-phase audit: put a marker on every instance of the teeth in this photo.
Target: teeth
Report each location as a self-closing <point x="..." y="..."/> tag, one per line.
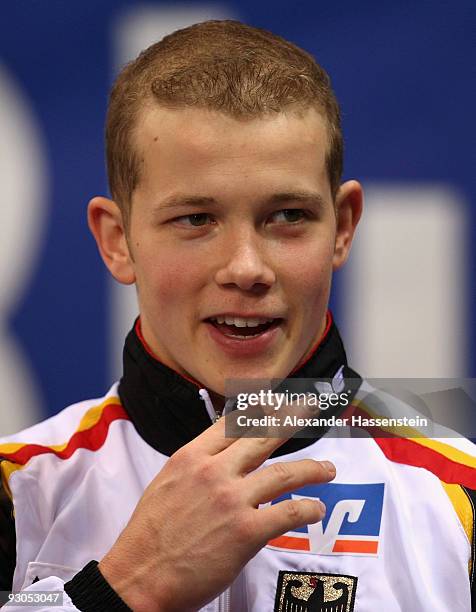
<point x="241" y="322"/>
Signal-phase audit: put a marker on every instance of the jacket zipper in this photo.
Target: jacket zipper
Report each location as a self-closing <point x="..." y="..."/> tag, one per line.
<point x="212" y="413"/>
<point x="224" y="601"/>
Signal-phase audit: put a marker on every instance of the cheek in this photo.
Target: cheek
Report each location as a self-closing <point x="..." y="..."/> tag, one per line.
<point x="309" y="271"/>
<point x="314" y="290"/>
<point x="167" y="281"/>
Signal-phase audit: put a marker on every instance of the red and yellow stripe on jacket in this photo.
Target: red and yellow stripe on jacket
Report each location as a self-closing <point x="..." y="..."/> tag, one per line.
<point x="90" y="434"/>
<point x="455" y="468"/>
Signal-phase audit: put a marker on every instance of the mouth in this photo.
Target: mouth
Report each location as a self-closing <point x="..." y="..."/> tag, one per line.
<point x="243" y="328"/>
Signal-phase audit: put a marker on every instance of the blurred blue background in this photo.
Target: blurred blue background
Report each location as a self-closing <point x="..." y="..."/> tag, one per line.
<point x="404" y="74"/>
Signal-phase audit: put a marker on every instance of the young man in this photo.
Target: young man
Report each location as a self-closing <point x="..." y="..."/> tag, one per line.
<point x="225" y="159"/>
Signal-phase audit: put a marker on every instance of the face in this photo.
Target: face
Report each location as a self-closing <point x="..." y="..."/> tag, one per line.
<point x="232" y="240"/>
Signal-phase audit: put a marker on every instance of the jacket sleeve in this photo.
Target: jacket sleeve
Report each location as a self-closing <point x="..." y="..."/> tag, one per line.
<point x="88" y="591"/>
<point x="7" y="540"/>
<point x="54" y="587"/>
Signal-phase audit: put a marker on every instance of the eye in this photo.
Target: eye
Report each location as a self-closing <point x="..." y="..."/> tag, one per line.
<point x="289" y="215"/>
<point x="195" y="220"/>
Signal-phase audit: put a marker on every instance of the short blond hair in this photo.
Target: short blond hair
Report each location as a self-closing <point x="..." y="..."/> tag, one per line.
<point x="218" y="65"/>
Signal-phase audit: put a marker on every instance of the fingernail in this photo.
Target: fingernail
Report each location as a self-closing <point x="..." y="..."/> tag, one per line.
<point x="330" y="467"/>
<point x="322" y="506"/>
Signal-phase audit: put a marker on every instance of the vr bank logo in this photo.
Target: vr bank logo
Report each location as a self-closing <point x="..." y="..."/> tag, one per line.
<point x="351" y="524"/>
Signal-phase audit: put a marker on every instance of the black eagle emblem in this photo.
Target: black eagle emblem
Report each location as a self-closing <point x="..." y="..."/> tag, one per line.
<point x="311" y="592"/>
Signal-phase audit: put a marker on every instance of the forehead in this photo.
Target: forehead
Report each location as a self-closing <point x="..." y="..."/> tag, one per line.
<point x="204" y="130"/>
<point x="191" y="145"/>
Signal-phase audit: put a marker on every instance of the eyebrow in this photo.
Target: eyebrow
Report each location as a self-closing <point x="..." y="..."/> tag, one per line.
<point x="303" y="197"/>
<point x="184" y="200"/>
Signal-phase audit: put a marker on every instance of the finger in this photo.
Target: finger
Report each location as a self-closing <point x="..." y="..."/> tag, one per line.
<point x="284" y="476"/>
<point x="217" y="437"/>
<point x="288" y="515"/>
<point x="255" y="444"/>
<point x="224" y="433"/>
<point x="212" y="440"/>
<point x="247" y="454"/>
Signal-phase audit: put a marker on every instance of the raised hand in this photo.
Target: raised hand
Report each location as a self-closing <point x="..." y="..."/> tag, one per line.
<point x="198" y="522"/>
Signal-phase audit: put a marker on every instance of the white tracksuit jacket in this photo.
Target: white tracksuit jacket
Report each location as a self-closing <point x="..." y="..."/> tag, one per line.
<point x="397" y="536"/>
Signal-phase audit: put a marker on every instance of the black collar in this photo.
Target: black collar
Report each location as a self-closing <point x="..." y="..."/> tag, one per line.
<point x="167" y="410"/>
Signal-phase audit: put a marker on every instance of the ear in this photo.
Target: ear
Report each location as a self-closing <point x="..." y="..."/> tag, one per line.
<point x="349" y="201"/>
<point x="106" y="224"/>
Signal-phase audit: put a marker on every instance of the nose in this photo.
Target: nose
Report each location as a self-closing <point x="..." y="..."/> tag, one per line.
<point x="244" y="264"/>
